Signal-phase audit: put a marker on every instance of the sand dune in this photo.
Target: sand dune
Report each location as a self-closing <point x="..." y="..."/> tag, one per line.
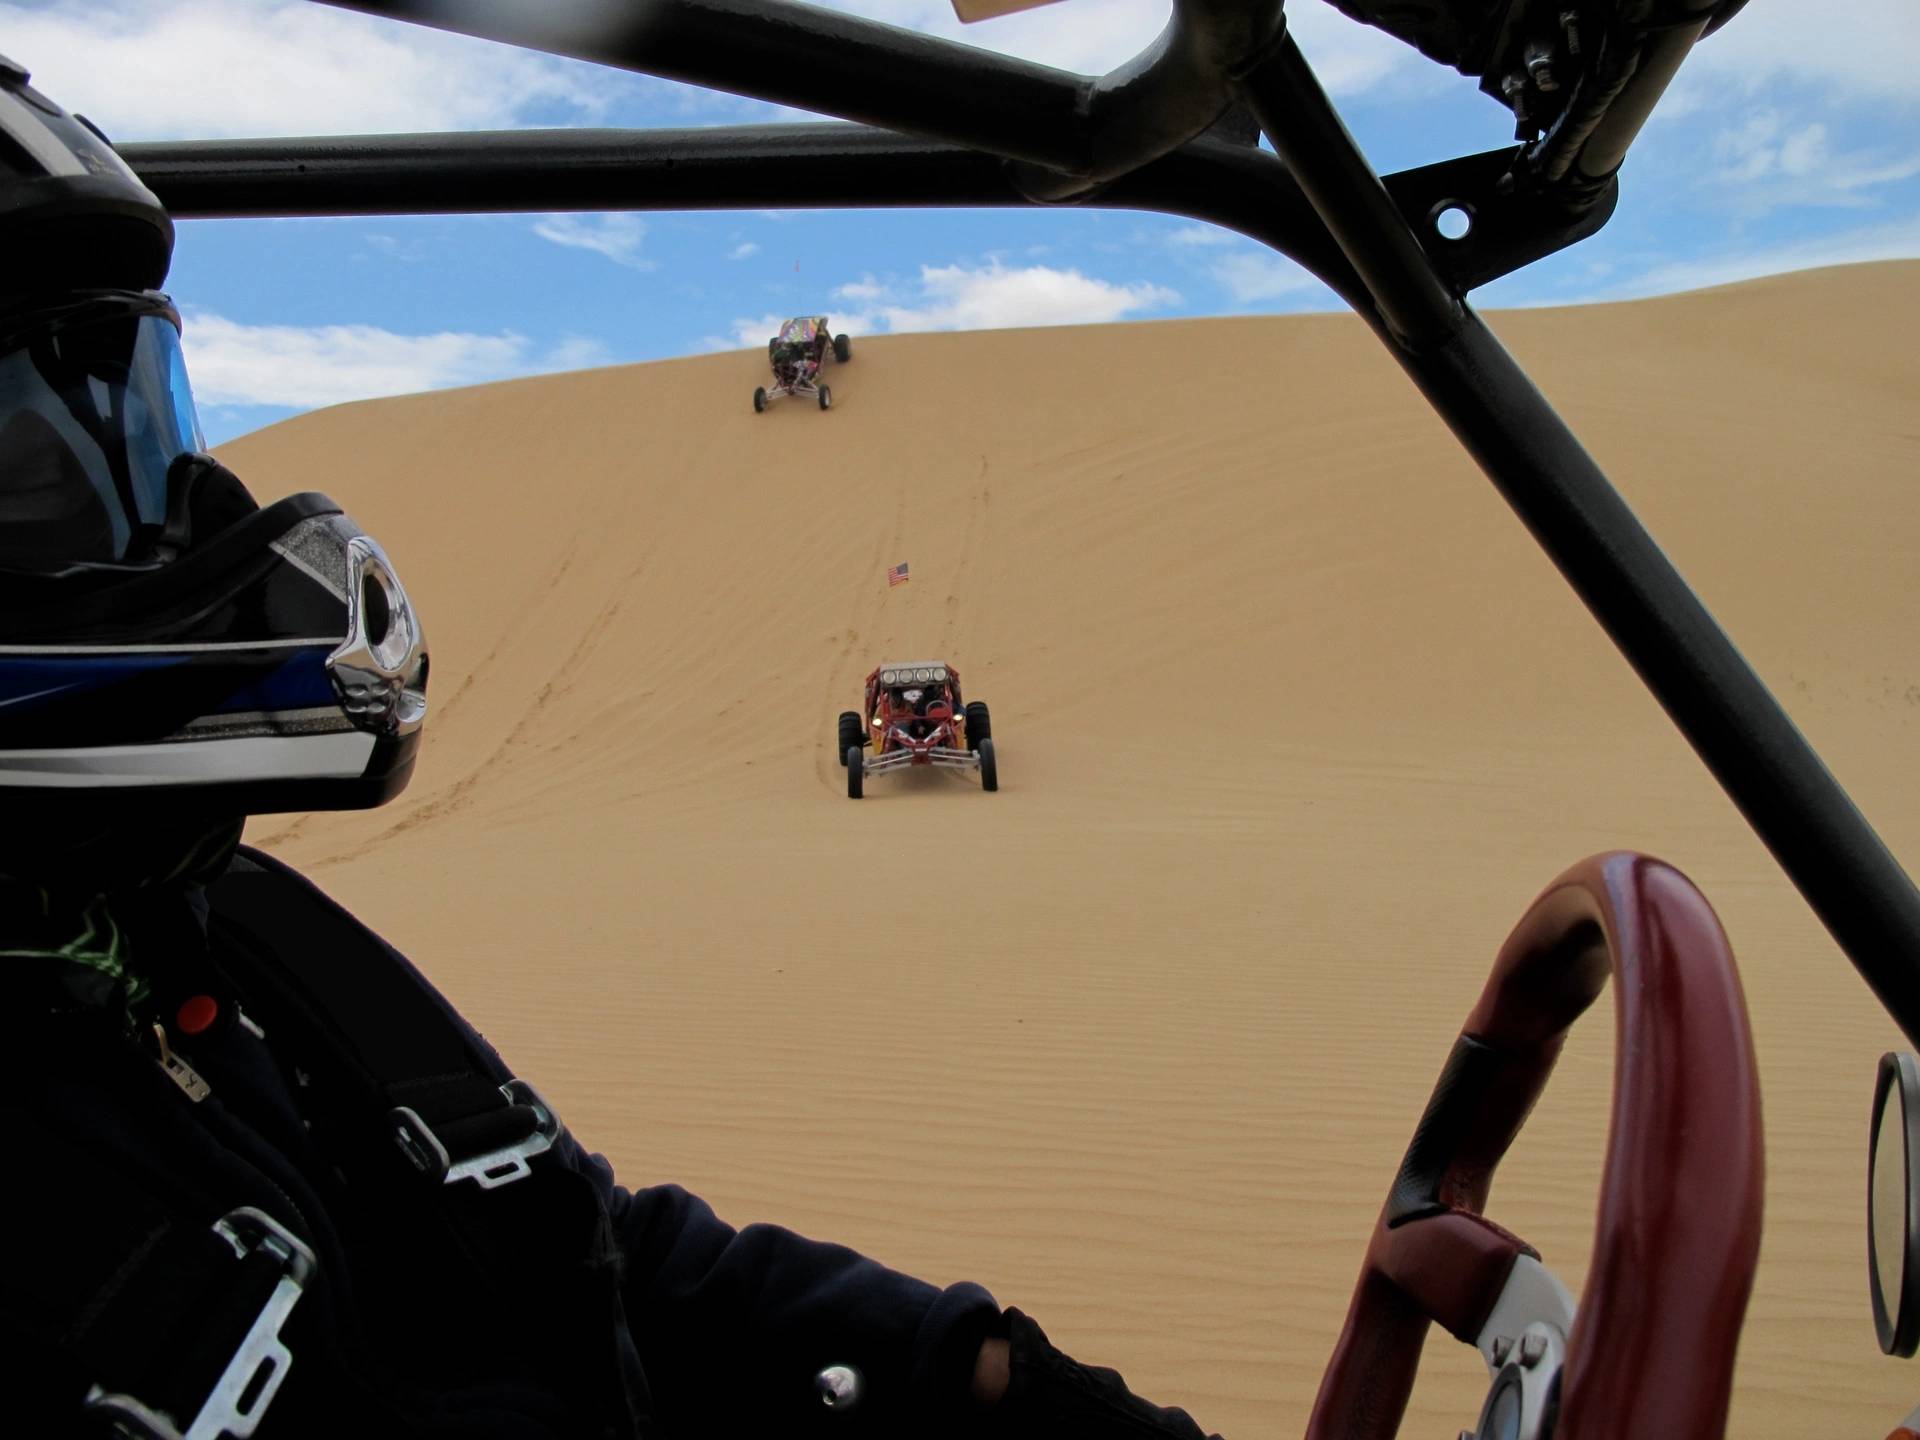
<point x="1293" y="721"/>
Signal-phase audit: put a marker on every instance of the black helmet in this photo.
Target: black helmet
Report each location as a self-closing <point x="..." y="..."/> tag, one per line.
<point x="163" y="640"/>
<point x="72" y="215"/>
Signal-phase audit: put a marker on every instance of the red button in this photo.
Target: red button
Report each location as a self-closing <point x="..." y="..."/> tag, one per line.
<point x="197" y="1014"/>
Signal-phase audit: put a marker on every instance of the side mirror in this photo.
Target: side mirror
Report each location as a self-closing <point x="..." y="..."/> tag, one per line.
<point x="971" y="10"/>
<point x="1893" y="1204"/>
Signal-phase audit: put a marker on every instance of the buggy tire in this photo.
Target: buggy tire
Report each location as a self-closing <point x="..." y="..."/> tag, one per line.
<point x="989" y="768"/>
<point x="851" y="737"/>
<point x="826" y="398"/>
<point x="979" y="723"/>
<point x="856" y="763"/>
<point x="843" y="348"/>
<point x="759" y="398"/>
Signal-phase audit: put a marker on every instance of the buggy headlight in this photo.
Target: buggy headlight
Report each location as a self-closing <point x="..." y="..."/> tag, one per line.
<point x="923" y="673"/>
<point x="380" y="670"/>
<point x="889" y="677"/>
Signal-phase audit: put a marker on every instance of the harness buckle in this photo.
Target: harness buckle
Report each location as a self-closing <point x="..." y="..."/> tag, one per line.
<point x="494" y="1168"/>
<point x="240" y="1397"/>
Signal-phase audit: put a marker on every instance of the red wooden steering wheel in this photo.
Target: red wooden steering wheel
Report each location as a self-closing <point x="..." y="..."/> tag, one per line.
<point x="1678" y="1235"/>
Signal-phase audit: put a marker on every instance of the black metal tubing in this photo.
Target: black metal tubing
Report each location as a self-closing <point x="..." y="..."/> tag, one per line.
<point x="1768" y="769"/>
<point x="1079" y="131"/>
<point x="1169" y="93"/>
<point x="1306" y="131"/>
<point x="811" y="165"/>
<point x="1613" y="100"/>
<point x="798" y="55"/>
<point x="1823" y="842"/>
<point x="1370" y="241"/>
<point x="482" y="172"/>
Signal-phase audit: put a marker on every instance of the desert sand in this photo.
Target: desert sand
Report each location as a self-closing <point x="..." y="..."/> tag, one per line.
<point x="1293" y="721"/>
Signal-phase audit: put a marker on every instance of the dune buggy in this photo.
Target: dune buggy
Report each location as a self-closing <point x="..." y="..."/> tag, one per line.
<point x="796" y="355"/>
<point x="915" y="716"/>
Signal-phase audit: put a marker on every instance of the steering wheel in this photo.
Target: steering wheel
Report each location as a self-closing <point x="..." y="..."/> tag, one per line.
<point x="1678" y="1234"/>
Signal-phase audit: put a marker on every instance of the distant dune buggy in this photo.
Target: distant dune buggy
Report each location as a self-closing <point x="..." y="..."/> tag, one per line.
<point x="914" y="716"/>
<point x="796" y="355"/>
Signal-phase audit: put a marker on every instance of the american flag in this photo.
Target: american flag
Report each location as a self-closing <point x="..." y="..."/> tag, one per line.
<point x="897" y="575"/>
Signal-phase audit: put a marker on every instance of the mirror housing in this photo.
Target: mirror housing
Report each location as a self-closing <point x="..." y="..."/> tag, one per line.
<point x="1893" y="1204"/>
<point x="972" y="10"/>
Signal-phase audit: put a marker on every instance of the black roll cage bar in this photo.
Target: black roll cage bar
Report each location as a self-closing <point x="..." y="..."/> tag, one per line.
<point x="1173" y="131"/>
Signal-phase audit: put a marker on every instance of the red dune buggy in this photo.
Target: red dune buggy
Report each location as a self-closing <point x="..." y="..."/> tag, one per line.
<point x="796" y="355"/>
<point x="915" y="716"/>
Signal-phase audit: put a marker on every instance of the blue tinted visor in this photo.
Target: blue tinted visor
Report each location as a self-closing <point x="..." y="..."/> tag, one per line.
<point x="94" y="406"/>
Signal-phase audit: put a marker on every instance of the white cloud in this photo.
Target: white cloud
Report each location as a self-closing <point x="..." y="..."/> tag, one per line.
<point x="961" y="297"/>
<point x="1887" y="240"/>
<point x="208" y="68"/>
<point x="576" y="352"/>
<point x="1351" y="58"/>
<point x="304" y="366"/>
<point x="1203" y="236"/>
<point x="617" y="236"/>
<point x="954" y="297"/>
<point x="1865" y="51"/>
<point x="753" y="334"/>
<point x="1767" y="161"/>
<point x="1256" y="276"/>
<point x="744" y="250"/>
<point x="409" y="249"/>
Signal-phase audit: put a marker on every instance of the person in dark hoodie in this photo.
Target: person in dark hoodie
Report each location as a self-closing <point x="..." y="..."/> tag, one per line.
<point x="263" y="1179"/>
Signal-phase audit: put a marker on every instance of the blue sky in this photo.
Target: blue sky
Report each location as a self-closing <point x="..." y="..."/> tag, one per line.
<point x="1791" y="139"/>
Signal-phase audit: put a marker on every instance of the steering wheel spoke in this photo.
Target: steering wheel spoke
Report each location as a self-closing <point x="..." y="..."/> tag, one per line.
<point x="1524" y="1343"/>
<point x="1533" y="1299"/>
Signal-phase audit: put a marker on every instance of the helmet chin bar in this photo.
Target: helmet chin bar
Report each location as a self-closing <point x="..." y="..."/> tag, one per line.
<point x="380" y="669"/>
<point x="276" y="664"/>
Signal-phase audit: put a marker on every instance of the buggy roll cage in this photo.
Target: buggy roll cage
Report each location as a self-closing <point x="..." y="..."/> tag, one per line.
<point x="1173" y="131"/>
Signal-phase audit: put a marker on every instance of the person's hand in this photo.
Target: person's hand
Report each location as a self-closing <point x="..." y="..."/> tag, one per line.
<point x="1038" y="1393"/>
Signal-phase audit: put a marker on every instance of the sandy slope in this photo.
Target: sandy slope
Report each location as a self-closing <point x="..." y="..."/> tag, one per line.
<point x="1293" y="719"/>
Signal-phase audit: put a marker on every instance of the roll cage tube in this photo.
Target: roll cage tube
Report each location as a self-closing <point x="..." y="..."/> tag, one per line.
<point x="1124" y="139"/>
<point x="1678" y="1232"/>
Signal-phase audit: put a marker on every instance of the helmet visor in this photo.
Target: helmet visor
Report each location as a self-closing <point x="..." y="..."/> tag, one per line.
<point x="94" y="406"/>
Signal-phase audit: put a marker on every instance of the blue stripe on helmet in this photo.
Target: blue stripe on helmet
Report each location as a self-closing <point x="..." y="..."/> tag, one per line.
<point x="234" y="682"/>
<point x="29" y="681"/>
<point x="298" y="683"/>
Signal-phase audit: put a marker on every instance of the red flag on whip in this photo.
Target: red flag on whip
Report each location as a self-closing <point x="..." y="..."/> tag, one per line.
<point x="897" y="575"/>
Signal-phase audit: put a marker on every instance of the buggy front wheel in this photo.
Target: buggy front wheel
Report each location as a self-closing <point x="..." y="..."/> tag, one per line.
<point x="759" y="398"/>
<point x="856" y="763"/>
<point x="843" y="348"/>
<point x="989" y="770"/>
<point x="826" y="398"/>
<point x="979" y="723"/>
<point x="851" y="735"/>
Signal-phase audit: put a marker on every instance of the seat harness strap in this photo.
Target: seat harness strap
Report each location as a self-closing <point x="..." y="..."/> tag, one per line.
<point x="400" y="1062"/>
<point x="448" y="1108"/>
<point x="134" y="1297"/>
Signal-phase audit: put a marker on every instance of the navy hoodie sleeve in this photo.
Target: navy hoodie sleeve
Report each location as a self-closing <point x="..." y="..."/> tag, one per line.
<point x="733" y="1325"/>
